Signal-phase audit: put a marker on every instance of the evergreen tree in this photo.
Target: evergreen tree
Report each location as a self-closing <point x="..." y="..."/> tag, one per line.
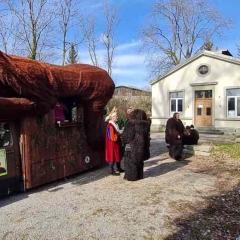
<point x="208" y="45"/>
<point x="72" y="55"/>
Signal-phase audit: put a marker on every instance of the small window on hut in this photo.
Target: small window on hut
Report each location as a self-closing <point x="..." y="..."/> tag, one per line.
<point x="66" y="110"/>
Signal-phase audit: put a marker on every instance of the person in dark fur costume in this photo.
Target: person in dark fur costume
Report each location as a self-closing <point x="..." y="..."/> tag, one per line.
<point x="174" y="136"/>
<point x="187" y="139"/>
<point x="136" y="138"/>
<point x="193" y="136"/>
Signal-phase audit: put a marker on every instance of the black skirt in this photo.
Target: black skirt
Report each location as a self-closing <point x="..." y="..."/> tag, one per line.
<point x="133" y="168"/>
<point x="176" y="150"/>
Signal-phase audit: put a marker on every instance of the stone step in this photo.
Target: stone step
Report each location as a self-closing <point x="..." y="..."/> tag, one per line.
<point x="202" y="153"/>
<point x="210" y="131"/>
<point x="202" y="150"/>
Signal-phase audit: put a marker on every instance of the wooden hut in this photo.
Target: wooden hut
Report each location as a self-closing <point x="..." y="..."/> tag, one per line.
<point x="39" y="148"/>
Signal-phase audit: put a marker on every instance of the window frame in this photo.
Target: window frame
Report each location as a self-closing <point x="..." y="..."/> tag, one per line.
<point x="234" y="113"/>
<point x="177" y="100"/>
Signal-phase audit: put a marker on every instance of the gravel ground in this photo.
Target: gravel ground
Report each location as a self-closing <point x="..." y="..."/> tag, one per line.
<point x="95" y="205"/>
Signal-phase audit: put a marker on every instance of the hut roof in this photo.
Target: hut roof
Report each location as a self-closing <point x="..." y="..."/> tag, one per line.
<point x="30" y="87"/>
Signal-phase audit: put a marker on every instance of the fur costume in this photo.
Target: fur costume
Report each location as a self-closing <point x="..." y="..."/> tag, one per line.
<point x="193" y="136"/>
<point x="136" y="136"/>
<point x="174" y="128"/>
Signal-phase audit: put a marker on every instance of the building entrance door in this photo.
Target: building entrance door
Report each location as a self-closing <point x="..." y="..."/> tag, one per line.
<point x="203" y="108"/>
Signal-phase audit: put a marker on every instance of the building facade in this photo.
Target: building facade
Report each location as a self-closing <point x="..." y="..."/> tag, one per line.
<point x="205" y="90"/>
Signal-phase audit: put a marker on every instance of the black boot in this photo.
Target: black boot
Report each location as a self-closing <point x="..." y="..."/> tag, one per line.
<point x="112" y="172"/>
<point x="119" y="167"/>
<point x="115" y="173"/>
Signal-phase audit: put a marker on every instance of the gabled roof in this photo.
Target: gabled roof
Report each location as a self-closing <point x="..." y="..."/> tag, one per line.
<point x="224" y="52"/>
<point x="223" y="55"/>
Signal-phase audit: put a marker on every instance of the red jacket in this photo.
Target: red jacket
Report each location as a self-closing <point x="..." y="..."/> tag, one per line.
<point x="113" y="144"/>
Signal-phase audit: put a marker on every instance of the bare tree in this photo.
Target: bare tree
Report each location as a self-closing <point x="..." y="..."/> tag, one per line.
<point x="7" y="41"/>
<point x="4" y="36"/>
<point x="108" y="37"/>
<point x="238" y="49"/>
<point x="68" y="17"/>
<point x="176" y="30"/>
<point x="88" y="27"/>
<point x="34" y="21"/>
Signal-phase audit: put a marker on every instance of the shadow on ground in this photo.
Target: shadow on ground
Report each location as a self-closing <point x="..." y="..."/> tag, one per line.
<point x="80" y="178"/>
<point x="219" y="220"/>
<point x="15" y="197"/>
<point x="91" y="176"/>
<point x="158" y="147"/>
<point x="156" y="168"/>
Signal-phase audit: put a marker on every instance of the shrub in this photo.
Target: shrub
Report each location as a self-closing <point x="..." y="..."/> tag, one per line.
<point x="121" y="122"/>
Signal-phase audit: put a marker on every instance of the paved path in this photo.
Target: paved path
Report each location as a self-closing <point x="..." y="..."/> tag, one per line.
<point x="95" y="205"/>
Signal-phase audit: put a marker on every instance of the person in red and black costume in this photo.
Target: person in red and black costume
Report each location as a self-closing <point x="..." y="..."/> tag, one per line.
<point x="113" y="145"/>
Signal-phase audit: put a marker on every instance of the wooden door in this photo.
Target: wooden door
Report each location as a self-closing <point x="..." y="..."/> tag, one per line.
<point x="203" y="108"/>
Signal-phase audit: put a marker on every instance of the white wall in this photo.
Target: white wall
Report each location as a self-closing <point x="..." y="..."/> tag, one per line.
<point x="222" y="75"/>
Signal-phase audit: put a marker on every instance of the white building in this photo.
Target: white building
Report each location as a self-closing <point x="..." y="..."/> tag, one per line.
<point x="205" y="90"/>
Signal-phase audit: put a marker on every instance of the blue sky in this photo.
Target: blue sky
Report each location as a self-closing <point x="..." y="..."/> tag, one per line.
<point x="129" y="68"/>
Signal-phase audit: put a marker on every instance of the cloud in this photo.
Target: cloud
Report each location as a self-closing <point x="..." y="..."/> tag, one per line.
<point x="93" y="4"/>
<point x="130" y="77"/>
<point x="128" y="45"/>
<point x="98" y="5"/>
<point x="121" y="58"/>
<point x="129" y="71"/>
<point x="129" y="60"/>
<point x="128" y="67"/>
